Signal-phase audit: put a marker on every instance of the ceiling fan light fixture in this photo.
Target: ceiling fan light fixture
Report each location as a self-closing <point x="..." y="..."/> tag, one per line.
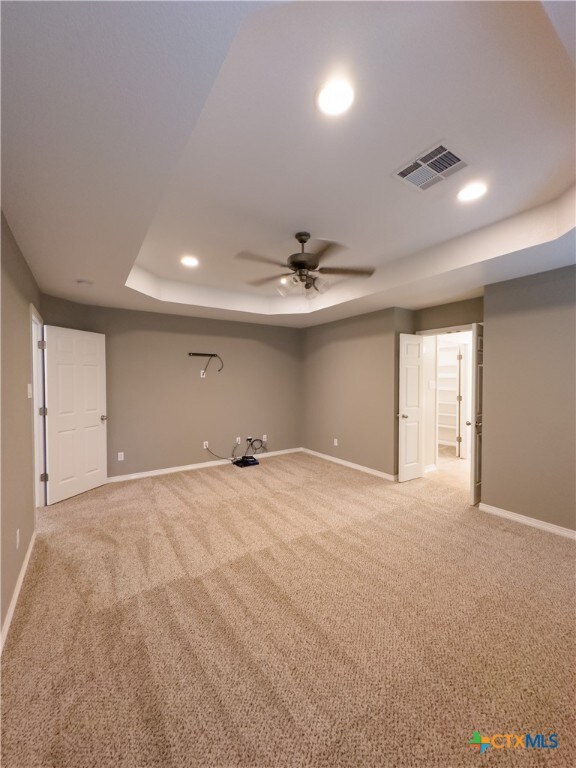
<point x="336" y="97"/>
<point x="288" y="285"/>
<point x="321" y="285"/>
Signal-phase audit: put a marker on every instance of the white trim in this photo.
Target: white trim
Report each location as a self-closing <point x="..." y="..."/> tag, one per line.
<point x="532" y="521"/>
<point x="16" y="593"/>
<point x="278" y="453"/>
<point x="220" y="463"/>
<point x="448" y="329"/>
<point x="359" y="467"/>
<point x="187" y="467"/>
<point x="38" y="438"/>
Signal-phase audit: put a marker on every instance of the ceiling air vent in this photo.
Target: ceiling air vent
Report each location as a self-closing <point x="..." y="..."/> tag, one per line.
<point x="431" y="168"/>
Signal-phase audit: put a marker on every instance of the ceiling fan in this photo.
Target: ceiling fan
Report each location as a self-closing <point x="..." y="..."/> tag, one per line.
<point x="304" y="267"/>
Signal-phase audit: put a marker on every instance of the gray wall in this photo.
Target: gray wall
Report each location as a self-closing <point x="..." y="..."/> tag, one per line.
<point x="19" y="290"/>
<point x="159" y="409"/>
<point x="529" y="454"/>
<point x="447" y="315"/>
<point x="351" y="388"/>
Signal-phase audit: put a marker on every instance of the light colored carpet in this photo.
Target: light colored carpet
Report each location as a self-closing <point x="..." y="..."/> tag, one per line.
<point x="295" y="614"/>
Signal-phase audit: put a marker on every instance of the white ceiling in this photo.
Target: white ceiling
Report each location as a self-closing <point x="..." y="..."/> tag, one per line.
<point x="134" y="133"/>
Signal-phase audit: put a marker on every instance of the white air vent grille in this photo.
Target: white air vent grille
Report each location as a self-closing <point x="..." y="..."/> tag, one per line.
<point x="433" y="166"/>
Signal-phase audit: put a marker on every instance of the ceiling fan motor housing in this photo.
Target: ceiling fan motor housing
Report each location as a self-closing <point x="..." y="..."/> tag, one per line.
<point x="303" y="261"/>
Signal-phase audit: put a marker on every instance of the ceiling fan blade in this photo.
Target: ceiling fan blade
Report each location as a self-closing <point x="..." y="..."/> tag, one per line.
<point x="351" y="272"/>
<point x="264" y="280"/>
<point x="326" y="249"/>
<point x="246" y="256"/>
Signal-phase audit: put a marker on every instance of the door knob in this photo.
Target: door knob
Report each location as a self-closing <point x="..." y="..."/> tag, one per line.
<point x="103" y="418"/>
<point x="468" y="423"/>
<point x="404" y="416"/>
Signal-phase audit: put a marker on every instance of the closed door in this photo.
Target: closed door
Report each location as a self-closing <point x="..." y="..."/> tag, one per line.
<point x="410" y="416"/>
<point x="76" y="412"/>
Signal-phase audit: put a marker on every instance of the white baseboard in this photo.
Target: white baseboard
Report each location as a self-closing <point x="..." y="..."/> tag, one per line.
<point x="187" y="467"/>
<point x="17" y="588"/>
<point x="532" y="521"/>
<point x="359" y="467"/>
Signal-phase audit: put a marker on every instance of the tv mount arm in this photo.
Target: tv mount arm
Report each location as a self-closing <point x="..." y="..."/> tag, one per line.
<point x="209" y="355"/>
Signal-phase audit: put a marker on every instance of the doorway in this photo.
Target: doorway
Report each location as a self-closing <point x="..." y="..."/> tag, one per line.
<point x="452" y="415"/>
<point x="440" y="407"/>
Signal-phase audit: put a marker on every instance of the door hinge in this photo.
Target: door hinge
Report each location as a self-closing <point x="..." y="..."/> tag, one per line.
<point x="43" y="411"/>
<point x="44" y="477"/>
<point x="459" y="439"/>
<point x="459" y="398"/>
<point x="41" y="345"/>
<point x="458" y="357"/>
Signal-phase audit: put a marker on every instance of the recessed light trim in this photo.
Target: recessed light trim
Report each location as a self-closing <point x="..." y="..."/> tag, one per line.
<point x="336" y="97"/>
<point x="189" y="261"/>
<point x="472" y="191"/>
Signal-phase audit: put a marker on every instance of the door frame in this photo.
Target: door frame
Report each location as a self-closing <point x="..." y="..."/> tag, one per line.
<point x="37" y="402"/>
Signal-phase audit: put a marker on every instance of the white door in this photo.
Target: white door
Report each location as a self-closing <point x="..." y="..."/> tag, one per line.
<point x="76" y="412"/>
<point x="475" y="425"/>
<point x="411" y="416"/>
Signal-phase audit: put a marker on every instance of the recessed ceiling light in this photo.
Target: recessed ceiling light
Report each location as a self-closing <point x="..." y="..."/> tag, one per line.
<point x="189" y="261"/>
<point x="283" y="280"/>
<point x="472" y="191"/>
<point x="335" y="97"/>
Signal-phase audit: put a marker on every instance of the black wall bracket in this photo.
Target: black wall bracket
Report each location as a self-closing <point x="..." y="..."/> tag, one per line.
<point x="209" y="355"/>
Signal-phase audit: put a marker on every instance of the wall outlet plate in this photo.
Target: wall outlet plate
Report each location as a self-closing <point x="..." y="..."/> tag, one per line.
<point x="120" y="455"/>
<point x="264" y="438"/>
<point x="336" y="441"/>
<point x="202" y="374"/>
<point x="238" y="440"/>
<point x="205" y="445"/>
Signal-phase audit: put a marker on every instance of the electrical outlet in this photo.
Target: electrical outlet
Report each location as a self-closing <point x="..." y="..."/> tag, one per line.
<point x="120" y="455"/>
<point x="238" y="440"/>
<point x="264" y="438"/>
<point x="336" y="441"/>
<point x="202" y="374"/>
<point x="205" y="446"/>
<point x="17" y="538"/>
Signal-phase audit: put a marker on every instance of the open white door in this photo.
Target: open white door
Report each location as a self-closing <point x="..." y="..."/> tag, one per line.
<point x="410" y="417"/>
<point x="465" y="402"/>
<point x="476" y="424"/>
<point x="75" y="368"/>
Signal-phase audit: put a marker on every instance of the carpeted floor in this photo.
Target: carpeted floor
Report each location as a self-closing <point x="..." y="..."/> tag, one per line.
<point x="295" y="614"/>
